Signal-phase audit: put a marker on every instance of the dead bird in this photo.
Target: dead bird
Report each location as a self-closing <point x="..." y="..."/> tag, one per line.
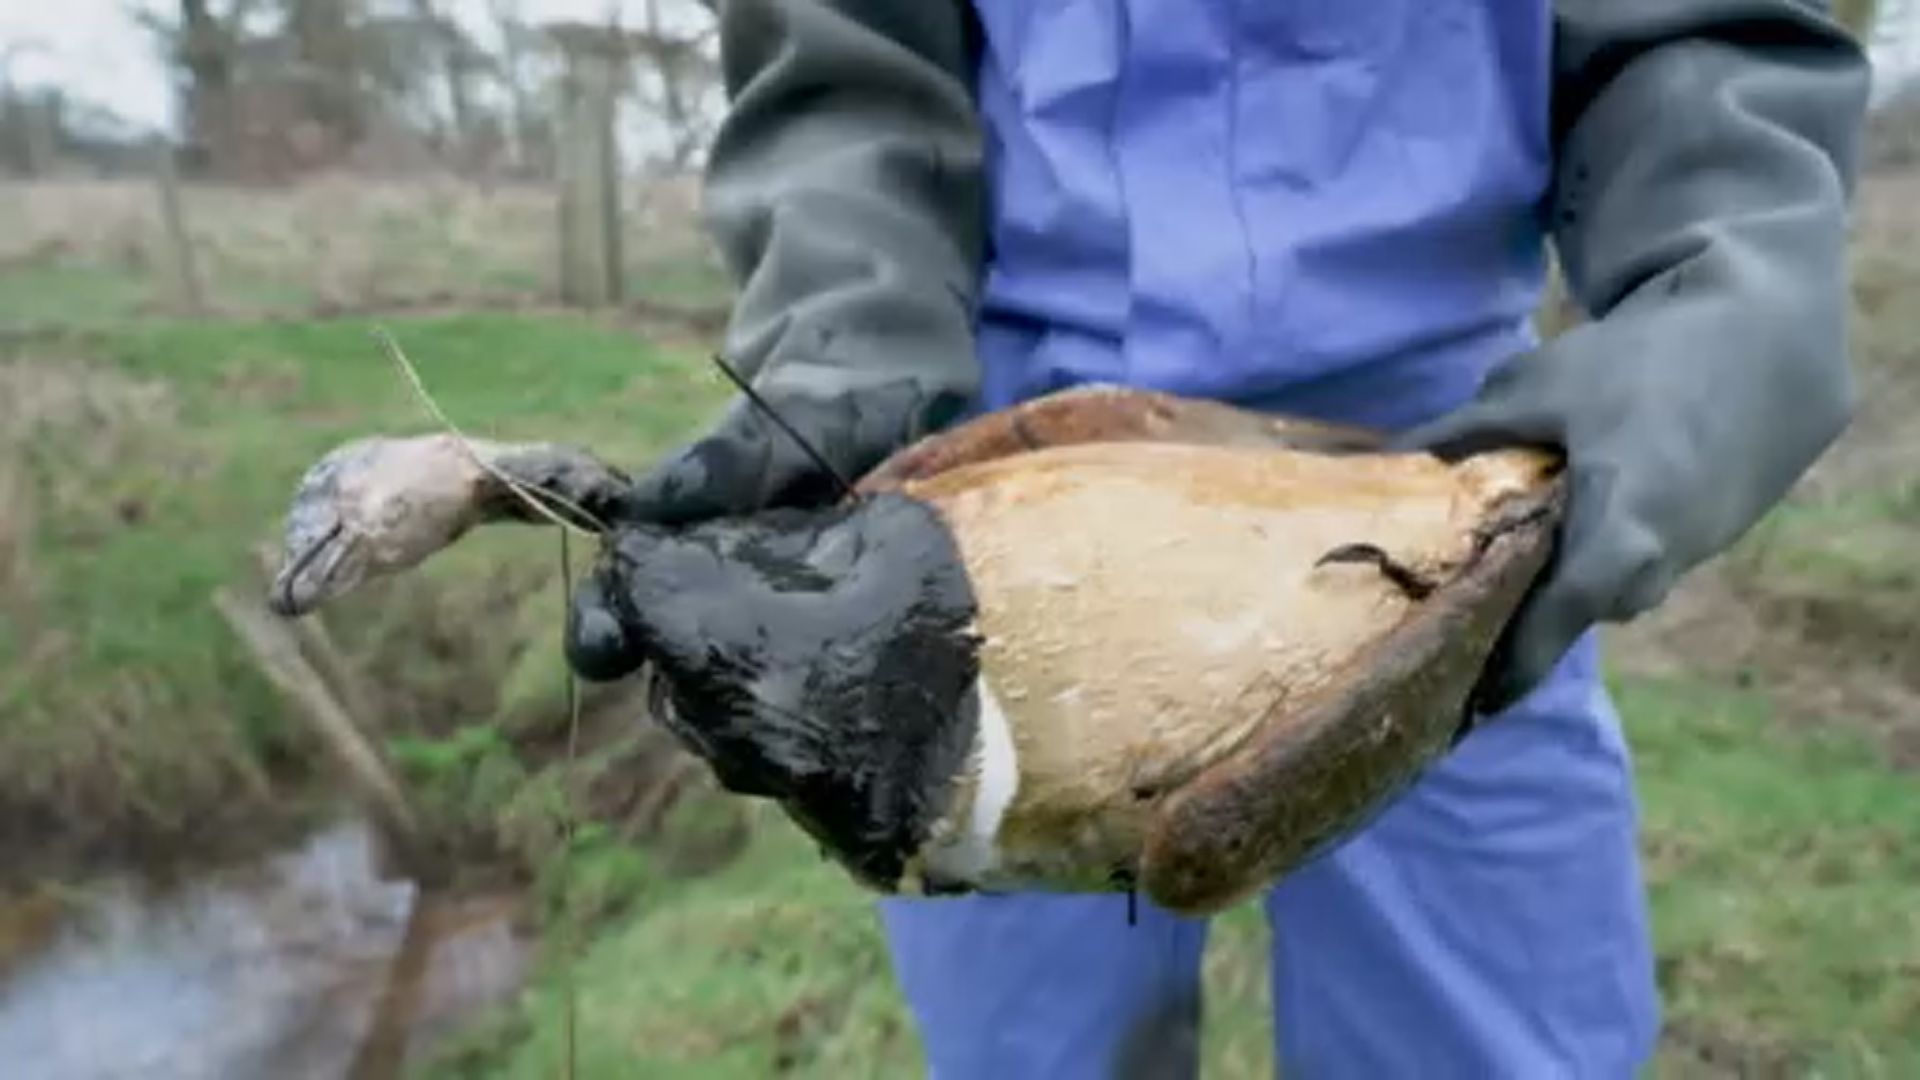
<point x="1106" y="639"/>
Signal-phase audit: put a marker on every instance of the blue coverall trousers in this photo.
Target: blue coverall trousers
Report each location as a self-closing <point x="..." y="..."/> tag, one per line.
<point x="1490" y="923"/>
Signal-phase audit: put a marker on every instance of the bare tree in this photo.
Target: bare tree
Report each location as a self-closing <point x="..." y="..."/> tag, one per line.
<point x="512" y="69"/>
<point x="326" y="49"/>
<point x="175" y="236"/>
<point x="683" y="73"/>
<point x="454" y="61"/>
<point x="205" y="55"/>
<point x="590" y="250"/>
<point x="270" y="88"/>
<point x="17" y="111"/>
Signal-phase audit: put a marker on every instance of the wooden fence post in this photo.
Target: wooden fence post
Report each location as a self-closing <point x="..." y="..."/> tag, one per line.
<point x="275" y="648"/>
<point x="40" y="141"/>
<point x="589" y="167"/>
<point x="175" y="238"/>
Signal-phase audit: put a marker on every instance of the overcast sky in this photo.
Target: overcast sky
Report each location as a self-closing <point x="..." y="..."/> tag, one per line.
<point x="99" y="54"/>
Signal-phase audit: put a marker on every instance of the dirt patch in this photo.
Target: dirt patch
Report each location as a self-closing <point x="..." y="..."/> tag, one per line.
<point x="801" y="1027"/>
<point x="1821" y="612"/>
<point x="17" y="591"/>
<point x="40" y="841"/>
<point x="44" y="395"/>
<point x="28" y="923"/>
<point x="1694" y="1048"/>
<point x="1825" y="657"/>
<point x="1820" y="605"/>
<point x="68" y="427"/>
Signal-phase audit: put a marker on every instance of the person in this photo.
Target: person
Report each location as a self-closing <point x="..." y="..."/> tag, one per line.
<point x="1337" y="210"/>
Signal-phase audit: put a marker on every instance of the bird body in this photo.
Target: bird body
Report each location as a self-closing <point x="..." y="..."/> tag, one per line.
<point x="1148" y="609"/>
<point x="1107" y="639"/>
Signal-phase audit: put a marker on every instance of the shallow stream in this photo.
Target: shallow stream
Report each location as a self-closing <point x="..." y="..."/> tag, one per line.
<point x="306" y="966"/>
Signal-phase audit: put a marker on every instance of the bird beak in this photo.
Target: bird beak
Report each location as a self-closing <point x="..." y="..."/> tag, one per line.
<point x="312" y="572"/>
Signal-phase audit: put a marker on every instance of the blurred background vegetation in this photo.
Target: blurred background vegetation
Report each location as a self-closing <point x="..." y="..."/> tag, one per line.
<point x="186" y="319"/>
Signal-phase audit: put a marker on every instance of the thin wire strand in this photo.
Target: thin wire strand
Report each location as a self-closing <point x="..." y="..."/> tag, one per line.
<point x="533" y="497"/>
<point x="567" y="827"/>
<point x="530" y="495"/>
<point x="766" y="407"/>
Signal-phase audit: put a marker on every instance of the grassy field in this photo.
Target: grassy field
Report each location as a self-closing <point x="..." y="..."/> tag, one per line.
<point x="92" y="253"/>
<point x="1783" y="867"/>
<point x="1774" y="705"/>
<point x="142" y="467"/>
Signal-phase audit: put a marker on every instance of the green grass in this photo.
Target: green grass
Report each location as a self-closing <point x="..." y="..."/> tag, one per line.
<point x="1784" y="868"/>
<point x="1785" y="871"/>
<point x="1852" y="542"/>
<point x="773" y="963"/>
<point x="776" y="965"/>
<point x="686" y="281"/>
<point x="1782" y="863"/>
<point x="140" y="707"/>
<point x="1784" y="860"/>
<point x="73" y="295"/>
<point x="84" y="295"/>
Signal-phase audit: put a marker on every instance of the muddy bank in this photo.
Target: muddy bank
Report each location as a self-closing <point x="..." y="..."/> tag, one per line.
<point x="310" y="963"/>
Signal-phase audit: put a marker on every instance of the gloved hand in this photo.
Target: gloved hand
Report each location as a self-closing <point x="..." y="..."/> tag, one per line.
<point x="749" y="462"/>
<point x="853" y="223"/>
<point x="1705" y="158"/>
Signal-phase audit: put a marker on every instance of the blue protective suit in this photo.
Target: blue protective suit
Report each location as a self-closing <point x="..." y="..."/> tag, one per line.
<point x="1335" y="209"/>
<point x="1329" y="209"/>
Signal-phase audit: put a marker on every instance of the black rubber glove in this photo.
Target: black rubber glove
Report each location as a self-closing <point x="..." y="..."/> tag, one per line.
<point x="751" y="462"/>
<point x="1705" y="157"/>
<point x="845" y="194"/>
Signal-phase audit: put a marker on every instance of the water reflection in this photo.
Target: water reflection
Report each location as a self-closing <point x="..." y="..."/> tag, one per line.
<point x="298" y="968"/>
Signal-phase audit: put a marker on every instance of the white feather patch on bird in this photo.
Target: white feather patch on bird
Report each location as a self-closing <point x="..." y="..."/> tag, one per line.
<point x="971" y="854"/>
